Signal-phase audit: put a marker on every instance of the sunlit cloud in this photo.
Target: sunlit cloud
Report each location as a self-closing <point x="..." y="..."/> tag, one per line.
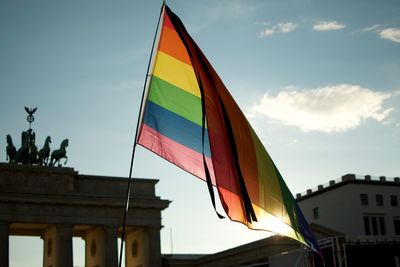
<point x="371" y="28"/>
<point x="329" y="109"/>
<point x="263" y="23"/>
<point x="323" y="26"/>
<point x="229" y="9"/>
<point x="392" y="34"/>
<point x="280" y="28"/>
<point x="206" y="16"/>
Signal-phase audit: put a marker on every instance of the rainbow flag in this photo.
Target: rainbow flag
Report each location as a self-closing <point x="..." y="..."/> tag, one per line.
<point x="190" y="119"/>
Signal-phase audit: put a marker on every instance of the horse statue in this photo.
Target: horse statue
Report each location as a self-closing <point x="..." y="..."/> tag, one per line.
<point x="44" y="153"/>
<point x="11" y="150"/>
<point x="58" y="154"/>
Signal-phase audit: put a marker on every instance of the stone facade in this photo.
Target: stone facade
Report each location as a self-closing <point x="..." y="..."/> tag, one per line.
<point x="252" y="254"/>
<point x="373" y="204"/>
<point x="338" y="214"/>
<point x="58" y="203"/>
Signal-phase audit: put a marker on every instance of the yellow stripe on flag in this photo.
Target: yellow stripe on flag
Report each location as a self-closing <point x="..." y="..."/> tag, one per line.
<point x="271" y="198"/>
<point x="269" y="222"/>
<point x="177" y="73"/>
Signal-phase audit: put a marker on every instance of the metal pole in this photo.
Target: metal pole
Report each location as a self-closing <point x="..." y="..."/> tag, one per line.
<point x="134" y="145"/>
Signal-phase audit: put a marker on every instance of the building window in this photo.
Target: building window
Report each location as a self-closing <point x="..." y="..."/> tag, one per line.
<point x="364" y="199"/>
<point x="396" y="224"/>
<point x="375" y="225"/>
<point x="393" y="201"/>
<point x="379" y="200"/>
<point x="316" y="212"/>
<point x="366" y="226"/>
<point x="382" y="227"/>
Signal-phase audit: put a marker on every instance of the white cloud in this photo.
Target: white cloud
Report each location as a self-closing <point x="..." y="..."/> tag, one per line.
<point x="263" y="23"/>
<point x="337" y="108"/>
<point x="283" y="28"/>
<point x="228" y="9"/>
<point x="371" y="28"/>
<point x="205" y="16"/>
<point x="323" y="26"/>
<point x="392" y="34"/>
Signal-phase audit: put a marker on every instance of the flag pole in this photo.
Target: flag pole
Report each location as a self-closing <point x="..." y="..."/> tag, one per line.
<point x="127" y="197"/>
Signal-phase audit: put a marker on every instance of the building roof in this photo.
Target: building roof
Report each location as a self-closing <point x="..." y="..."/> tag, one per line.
<point x="348" y="179"/>
<point x="254" y="252"/>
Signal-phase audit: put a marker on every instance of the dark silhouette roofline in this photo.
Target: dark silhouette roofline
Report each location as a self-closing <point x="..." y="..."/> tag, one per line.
<point x="348" y="179"/>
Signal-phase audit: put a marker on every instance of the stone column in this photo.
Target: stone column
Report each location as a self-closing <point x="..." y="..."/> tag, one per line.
<point x="101" y="246"/>
<point x="154" y="246"/>
<point x="4" y="244"/>
<point x="111" y="246"/>
<point x="142" y="248"/>
<point x="57" y="250"/>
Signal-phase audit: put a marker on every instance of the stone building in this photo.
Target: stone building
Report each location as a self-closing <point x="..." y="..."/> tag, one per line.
<point x="355" y="220"/>
<point x="355" y="205"/>
<point x="58" y="204"/>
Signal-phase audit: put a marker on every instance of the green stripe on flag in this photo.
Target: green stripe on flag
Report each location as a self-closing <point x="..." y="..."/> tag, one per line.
<point x="289" y="203"/>
<point x="175" y="100"/>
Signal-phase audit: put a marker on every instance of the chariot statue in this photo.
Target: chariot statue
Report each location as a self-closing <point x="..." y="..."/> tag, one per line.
<point x="28" y="153"/>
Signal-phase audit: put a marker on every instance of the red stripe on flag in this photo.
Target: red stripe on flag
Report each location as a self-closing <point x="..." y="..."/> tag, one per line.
<point x="167" y="22"/>
<point x="178" y="154"/>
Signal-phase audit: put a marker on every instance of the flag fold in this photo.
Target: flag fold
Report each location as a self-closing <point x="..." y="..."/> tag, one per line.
<point x="191" y="119"/>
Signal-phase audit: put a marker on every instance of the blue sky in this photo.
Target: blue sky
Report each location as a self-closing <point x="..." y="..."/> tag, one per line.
<point x="319" y="80"/>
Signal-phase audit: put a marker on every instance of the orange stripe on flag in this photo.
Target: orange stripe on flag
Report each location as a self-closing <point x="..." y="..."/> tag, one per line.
<point x="171" y="44"/>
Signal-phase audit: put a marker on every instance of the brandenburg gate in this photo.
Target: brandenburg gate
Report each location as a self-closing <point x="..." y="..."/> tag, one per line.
<point x="57" y="204"/>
